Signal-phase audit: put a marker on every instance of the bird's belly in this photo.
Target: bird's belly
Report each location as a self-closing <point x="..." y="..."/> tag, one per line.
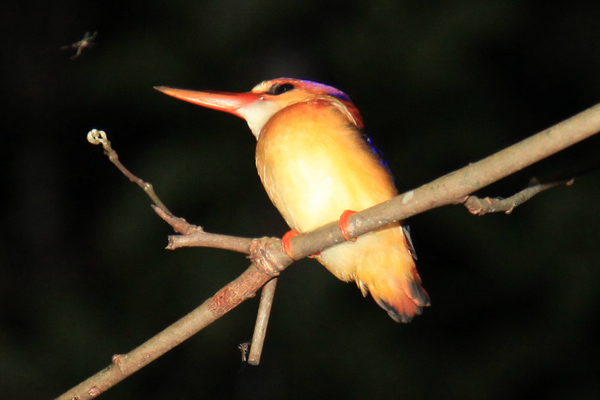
<point x="314" y="189"/>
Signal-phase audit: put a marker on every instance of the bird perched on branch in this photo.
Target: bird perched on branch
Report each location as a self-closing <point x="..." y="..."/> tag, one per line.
<point x="316" y="165"/>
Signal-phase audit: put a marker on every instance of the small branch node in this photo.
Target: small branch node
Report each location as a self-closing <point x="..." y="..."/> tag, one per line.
<point x="94" y="391"/>
<point x="118" y="360"/>
<point x="96" y="136"/>
<point x="179" y="225"/>
<point x="148" y="188"/>
<point x="262" y="258"/>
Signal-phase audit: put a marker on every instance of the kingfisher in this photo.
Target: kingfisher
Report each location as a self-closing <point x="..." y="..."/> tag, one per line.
<point x="318" y="166"/>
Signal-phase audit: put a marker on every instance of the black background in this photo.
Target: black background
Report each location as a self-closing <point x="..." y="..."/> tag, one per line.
<point x="83" y="270"/>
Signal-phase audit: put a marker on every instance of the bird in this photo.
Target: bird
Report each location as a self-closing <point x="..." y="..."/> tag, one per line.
<point x="318" y="166"/>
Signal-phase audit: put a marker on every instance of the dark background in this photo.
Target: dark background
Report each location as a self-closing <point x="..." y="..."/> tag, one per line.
<point x="83" y="270"/>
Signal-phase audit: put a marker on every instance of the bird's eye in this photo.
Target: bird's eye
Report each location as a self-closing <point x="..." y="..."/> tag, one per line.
<point x="278" y="88"/>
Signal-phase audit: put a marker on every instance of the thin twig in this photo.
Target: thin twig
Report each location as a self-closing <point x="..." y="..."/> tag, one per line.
<point x="96" y="136"/>
<point x="262" y="321"/>
<point x="178" y="224"/>
<point x="482" y="206"/>
<point x="195" y="236"/>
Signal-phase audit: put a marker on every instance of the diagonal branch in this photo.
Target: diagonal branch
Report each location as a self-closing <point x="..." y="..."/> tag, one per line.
<point x="456" y="186"/>
<point x="229" y="297"/>
<point x="269" y="259"/>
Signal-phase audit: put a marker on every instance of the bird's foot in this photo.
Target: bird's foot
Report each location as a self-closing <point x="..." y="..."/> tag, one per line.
<point x="287" y="246"/>
<point x="344" y="225"/>
<point x="285" y="243"/>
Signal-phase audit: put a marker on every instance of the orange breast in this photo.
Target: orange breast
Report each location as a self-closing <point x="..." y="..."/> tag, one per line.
<point x="314" y="165"/>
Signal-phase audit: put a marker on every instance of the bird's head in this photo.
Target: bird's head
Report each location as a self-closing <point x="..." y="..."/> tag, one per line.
<point x="267" y="98"/>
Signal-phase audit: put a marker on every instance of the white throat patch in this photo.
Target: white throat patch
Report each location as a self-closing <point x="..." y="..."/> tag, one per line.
<point x="258" y="113"/>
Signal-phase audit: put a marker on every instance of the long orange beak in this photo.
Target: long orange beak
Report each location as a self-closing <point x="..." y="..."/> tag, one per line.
<point x="255" y="108"/>
<point x="223" y="101"/>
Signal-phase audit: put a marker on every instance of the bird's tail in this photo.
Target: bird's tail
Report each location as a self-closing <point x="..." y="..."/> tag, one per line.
<point x="392" y="279"/>
<point x="402" y="305"/>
